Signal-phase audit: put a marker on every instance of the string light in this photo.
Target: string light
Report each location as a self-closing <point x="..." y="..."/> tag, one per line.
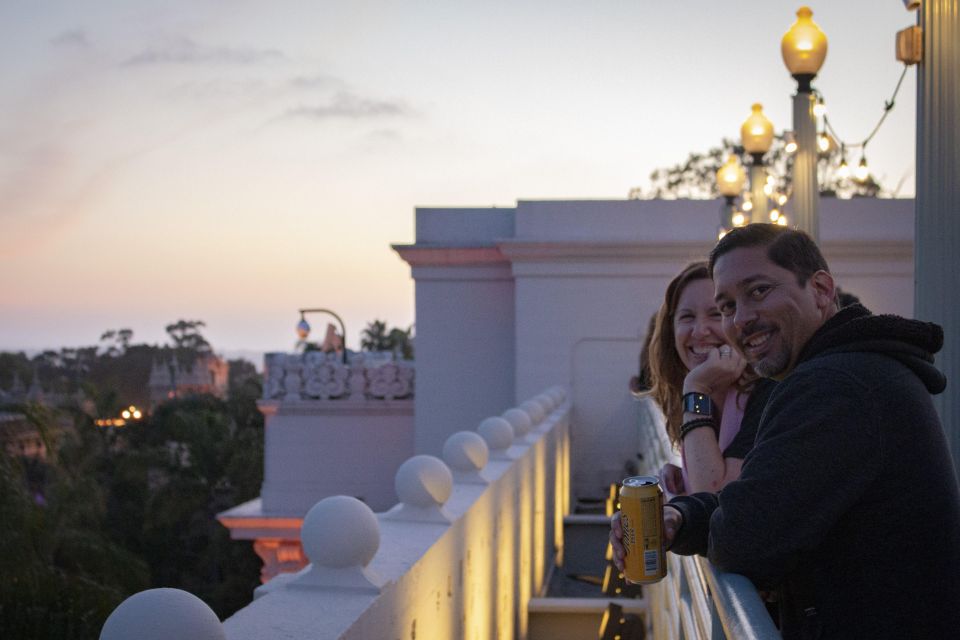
<point x="823" y="143"/>
<point x="781" y="199"/>
<point x="820" y="108"/>
<point x="720" y="233"/>
<point x="747" y="205"/>
<point x="791" y="142"/>
<point x="844" y="170"/>
<point x="774" y="215"/>
<point x="782" y="221"/>
<point x="738" y="219"/>
<point x="862" y="172"/>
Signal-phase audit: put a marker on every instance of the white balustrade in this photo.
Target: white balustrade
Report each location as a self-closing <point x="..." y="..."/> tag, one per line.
<point x="467" y="575"/>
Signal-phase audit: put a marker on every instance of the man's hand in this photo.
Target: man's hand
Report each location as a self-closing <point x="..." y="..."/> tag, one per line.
<point x="672" y="520"/>
<point x="616" y="541"/>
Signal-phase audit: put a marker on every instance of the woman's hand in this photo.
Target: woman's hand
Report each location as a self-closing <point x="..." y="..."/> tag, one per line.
<point x="616" y="541"/>
<point x="721" y="370"/>
<point x="671" y="476"/>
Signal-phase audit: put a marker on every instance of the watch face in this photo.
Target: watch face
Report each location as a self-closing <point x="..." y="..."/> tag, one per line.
<point x="698" y="403"/>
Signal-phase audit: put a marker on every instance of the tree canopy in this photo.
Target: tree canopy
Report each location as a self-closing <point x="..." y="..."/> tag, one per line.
<point x="695" y="177"/>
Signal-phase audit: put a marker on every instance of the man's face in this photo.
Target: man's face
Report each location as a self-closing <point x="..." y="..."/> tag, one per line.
<point x="767" y="316"/>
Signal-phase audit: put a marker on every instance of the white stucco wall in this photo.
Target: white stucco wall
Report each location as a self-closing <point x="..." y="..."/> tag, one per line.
<point x="465" y="321"/>
<point x="315" y="449"/>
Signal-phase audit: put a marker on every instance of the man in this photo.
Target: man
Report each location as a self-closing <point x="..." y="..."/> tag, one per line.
<point x="848" y="504"/>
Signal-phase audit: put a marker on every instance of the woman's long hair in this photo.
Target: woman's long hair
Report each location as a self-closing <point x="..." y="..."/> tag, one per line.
<point x="667" y="371"/>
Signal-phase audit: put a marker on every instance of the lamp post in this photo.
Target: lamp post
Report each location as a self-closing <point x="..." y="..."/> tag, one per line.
<point x="804" y="47"/>
<point x="730" y="179"/>
<point x="303" y="327"/>
<point x="756" y="135"/>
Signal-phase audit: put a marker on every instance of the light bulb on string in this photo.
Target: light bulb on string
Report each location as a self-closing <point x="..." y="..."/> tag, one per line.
<point x="747" y="205"/>
<point x="774" y="215"/>
<point x="823" y="142"/>
<point x="782" y="199"/>
<point x="820" y="108"/>
<point x="782" y="221"/>
<point x="768" y="189"/>
<point x="790" y="141"/>
<point x="843" y="171"/>
<point x="738" y="219"/>
<point x="862" y="172"/>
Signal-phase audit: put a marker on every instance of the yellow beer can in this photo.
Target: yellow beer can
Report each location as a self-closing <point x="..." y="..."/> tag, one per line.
<point x="641" y="516"/>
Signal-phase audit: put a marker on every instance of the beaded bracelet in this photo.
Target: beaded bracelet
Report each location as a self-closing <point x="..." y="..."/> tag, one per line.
<point x="696" y="423"/>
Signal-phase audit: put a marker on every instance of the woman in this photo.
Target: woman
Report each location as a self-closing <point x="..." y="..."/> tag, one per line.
<point x="711" y="401"/>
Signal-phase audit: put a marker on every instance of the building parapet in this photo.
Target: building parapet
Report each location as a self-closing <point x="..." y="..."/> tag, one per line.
<point x="322" y="376"/>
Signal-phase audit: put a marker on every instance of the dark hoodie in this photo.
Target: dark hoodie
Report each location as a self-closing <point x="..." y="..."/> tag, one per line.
<point x="848" y="504"/>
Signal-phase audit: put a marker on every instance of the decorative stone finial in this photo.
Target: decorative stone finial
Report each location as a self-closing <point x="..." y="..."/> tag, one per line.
<point x="424" y="484"/>
<point x="498" y="434"/>
<point x="466" y="453"/>
<point x="535" y="410"/>
<point x="547" y="402"/>
<point x="340" y="535"/>
<point x="162" y="614"/>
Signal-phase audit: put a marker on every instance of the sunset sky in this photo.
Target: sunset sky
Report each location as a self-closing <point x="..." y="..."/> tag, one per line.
<point x="233" y="161"/>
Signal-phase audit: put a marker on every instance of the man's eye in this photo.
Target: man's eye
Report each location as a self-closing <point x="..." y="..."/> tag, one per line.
<point x="760" y="291"/>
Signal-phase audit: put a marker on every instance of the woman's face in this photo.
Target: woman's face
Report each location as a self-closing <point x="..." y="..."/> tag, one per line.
<point x="697" y="324"/>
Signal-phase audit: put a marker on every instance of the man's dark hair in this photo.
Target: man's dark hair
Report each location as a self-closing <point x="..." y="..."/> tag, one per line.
<point x="788" y="248"/>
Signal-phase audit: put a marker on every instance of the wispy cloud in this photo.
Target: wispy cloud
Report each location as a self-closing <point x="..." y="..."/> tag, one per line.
<point x="72" y="39"/>
<point x="316" y="81"/>
<point x="349" y="106"/>
<point x="184" y="51"/>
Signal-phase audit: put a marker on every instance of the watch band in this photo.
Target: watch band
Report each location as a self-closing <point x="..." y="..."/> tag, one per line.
<point x="698" y="403"/>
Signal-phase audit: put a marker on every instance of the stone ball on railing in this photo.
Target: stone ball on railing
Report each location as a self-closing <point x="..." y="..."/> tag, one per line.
<point x="519" y="420"/>
<point x="535" y="409"/>
<point x="497" y="433"/>
<point x="424" y="481"/>
<point x="161" y="614"/>
<point x="466" y="451"/>
<point x="340" y="531"/>
<point x="546" y="403"/>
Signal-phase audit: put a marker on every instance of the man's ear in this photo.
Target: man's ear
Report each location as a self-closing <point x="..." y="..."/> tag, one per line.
<point x="824" y="289"/>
